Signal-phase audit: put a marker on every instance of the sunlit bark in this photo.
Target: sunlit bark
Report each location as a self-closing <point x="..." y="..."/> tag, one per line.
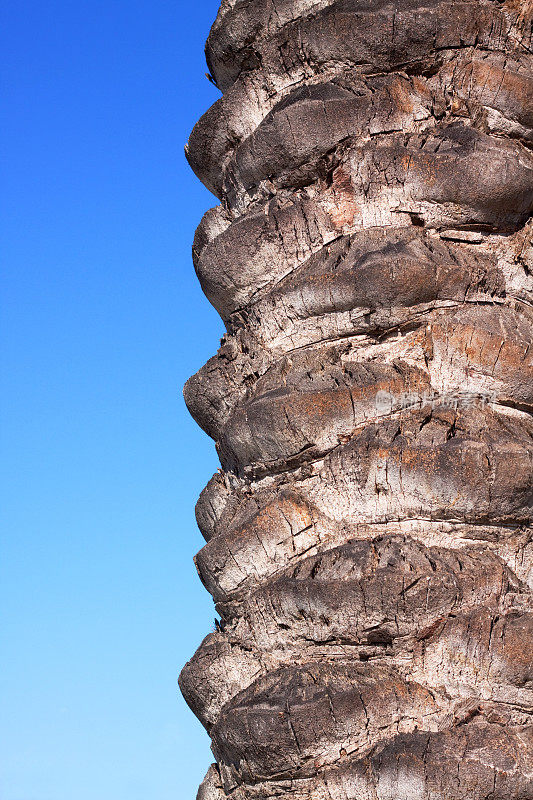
<point x="368" y="537"/>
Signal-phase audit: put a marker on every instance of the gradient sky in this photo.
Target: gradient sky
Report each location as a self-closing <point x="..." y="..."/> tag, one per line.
<point x="103" y="322"/>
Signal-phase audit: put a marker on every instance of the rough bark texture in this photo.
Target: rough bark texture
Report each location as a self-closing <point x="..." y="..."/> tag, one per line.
<point x="368" y="539"/>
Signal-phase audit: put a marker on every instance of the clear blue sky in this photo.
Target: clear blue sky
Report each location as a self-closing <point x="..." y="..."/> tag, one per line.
<point x="103" y="321"/>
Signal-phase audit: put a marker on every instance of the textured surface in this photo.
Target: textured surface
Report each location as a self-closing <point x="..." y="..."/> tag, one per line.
<point x="368" y="539"/>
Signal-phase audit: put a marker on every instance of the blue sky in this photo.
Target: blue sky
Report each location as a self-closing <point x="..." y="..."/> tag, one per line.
<point x="102" y="322"/>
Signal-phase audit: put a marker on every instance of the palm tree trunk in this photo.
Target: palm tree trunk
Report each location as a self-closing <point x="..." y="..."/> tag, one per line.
<point x="368" y="539"/>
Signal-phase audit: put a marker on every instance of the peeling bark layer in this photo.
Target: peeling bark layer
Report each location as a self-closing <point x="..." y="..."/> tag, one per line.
<point x="368" y="538"/>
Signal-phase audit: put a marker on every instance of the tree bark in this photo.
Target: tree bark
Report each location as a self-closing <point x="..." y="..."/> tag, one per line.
<point x="368" y="539"/>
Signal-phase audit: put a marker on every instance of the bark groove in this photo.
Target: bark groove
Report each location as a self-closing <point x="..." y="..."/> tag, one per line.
<point x="368" y="537"/>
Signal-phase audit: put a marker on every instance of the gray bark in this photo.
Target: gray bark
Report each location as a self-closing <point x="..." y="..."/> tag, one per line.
<point x="368" y="538"/>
